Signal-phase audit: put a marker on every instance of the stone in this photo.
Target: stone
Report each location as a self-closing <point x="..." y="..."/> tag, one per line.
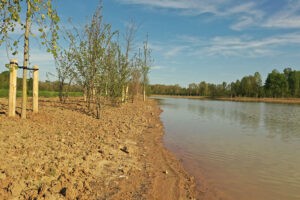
<point x="56" y="187"/>
<point x="42" y="189"/>
<point x="71" y="193"/>
<point x="16" y="188"/>
<point x="63" y="191"/>
<point x="125" y="149"/>
<point x="2" y="176"/>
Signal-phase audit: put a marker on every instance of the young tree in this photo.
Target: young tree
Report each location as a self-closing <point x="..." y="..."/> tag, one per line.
<point x="65" y="72"/>
<point x="37" y="11"/>
<point x="145" y="67"/>
<point x="135" y="78"/>
<point x="95" y="60"/>
<point x="125" y="69"/>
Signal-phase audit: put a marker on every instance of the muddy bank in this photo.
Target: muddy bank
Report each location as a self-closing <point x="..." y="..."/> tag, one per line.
<point x="62" y="153"/>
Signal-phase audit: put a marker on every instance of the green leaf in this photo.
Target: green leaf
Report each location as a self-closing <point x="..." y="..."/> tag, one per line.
<point x="49" y="4"/>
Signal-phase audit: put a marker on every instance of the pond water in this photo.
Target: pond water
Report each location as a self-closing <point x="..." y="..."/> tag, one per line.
<point x="248" y="151"/>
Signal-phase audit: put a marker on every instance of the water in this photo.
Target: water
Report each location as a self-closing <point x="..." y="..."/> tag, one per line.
<point x="245" y="151"/>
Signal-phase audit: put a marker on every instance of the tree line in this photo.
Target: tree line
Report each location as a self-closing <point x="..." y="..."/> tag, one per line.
<point x="43" y="85"/>
<point x="276" y="85"/>
<point x="103" y="63"/>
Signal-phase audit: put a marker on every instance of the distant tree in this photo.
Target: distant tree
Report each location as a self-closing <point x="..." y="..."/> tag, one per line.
<point x="176" y="89"/>
<point x="276" y="84"/>
<point x="145" y="66"/>
<point x="236" y="88"/>
<point x="193" y="89"/>
<point x="293" y="79"/>
<point x="258" y="84"/>
<point x="224" y="87"/>
<point x="4" y="80"/>
<point x="246" y="87"/>
<point x="129" y="37"/>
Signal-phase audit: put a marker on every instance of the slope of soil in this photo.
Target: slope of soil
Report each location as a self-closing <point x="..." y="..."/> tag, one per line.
<point x="62" y="153"/>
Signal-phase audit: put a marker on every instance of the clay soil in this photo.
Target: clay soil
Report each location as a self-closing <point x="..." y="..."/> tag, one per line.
<point x="63" y="153"/>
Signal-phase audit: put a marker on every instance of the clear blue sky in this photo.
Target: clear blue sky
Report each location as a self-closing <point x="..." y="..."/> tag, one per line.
<point x="199" y="40"/>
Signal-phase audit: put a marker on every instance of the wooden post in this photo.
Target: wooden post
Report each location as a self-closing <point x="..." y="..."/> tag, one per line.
<point x="35" y="89"/>
<point x="13" y="66"/>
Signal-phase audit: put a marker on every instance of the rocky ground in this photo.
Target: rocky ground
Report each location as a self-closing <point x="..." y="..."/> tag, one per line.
<point x="62" y="153"/>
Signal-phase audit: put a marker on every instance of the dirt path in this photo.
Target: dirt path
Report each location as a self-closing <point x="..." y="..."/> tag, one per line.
<point x="62" y="153"/>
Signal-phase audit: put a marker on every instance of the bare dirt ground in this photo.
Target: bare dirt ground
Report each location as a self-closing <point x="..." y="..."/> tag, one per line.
<point x="62" y="153"/>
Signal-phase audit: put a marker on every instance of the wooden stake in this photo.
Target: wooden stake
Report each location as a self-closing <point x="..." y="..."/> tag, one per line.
<point x="13" y="66"/>
<point x="35" y="89"/>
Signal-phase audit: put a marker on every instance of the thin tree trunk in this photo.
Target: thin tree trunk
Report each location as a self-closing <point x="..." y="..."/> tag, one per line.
<point x="126" y="93"/>
<point x="61" y="88"/>
<point x="25" y="62"/>
<point x="144" y="93"/>
<point x="85" y="94"/>
<point x="106" y="89"/>
<point x="123" y="94"/>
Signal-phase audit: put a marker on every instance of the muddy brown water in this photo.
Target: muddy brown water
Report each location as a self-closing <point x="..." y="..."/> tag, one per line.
<point x="248" y="151"/>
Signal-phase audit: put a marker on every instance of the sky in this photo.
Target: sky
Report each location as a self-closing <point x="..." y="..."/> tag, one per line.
<point x="196" y="40"/>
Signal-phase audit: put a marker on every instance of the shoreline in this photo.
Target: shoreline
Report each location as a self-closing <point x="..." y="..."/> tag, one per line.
<point x="63" y="153"/>
<point x="236" y="99"/>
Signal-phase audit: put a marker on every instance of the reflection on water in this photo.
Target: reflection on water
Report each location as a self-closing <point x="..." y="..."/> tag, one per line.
<point x="248" y="150"/>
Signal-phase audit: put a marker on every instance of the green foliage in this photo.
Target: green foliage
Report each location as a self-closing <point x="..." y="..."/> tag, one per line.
<point x="42" y="93"/>
<point x="293" y="79"/>
<point x="3" y="93"/>
<point x="276" y="84"/>
<point x="49" y="94"/>
<point x="286" y="84"/>
<point x="40" y="12"/>
<point x="96" y="60"/>
<point x="4" y="80"/>
<point x="47" y="88"/>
